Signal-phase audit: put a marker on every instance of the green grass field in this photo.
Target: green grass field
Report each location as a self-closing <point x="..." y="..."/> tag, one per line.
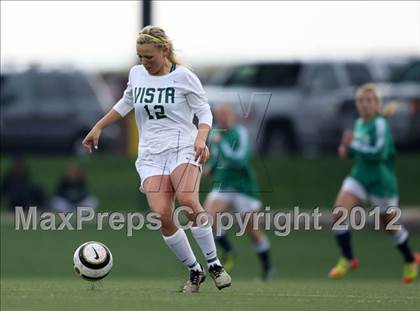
<point x="37" y="274"/>
<point x="37" y="270"/>
<point x="156" y="294"/>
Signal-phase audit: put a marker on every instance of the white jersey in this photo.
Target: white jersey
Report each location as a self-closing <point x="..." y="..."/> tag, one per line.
<point x="164" y="108"/>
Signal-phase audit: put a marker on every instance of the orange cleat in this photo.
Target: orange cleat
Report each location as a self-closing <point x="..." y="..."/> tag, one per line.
<point x="343" y="266"/>
<point x="411" y="270"/>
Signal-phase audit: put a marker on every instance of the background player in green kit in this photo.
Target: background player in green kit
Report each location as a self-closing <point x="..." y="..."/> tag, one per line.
<point x="372" y="179"/>
<point x="235" y="184"/>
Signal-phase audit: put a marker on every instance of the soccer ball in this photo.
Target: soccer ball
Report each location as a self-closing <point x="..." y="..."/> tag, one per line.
<point x="92" y="261"/>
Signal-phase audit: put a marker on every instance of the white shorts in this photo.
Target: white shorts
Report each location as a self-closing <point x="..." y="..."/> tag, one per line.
<point x="164" y="163"/>
<point x="240" y="202"/>
<point x="351" y="185"/>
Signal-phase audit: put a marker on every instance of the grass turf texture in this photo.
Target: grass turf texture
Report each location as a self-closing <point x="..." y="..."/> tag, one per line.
<point x="130" y="294"/>
<point x="37" y="274"/>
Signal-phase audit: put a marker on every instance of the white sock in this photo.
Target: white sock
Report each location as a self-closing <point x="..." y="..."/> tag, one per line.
<point x="205" y="239"/>
<point x="179" y="245"/>
<point x="400" y="236"/>
<point x="263" y="245"/>
<point x="218" y="232"/>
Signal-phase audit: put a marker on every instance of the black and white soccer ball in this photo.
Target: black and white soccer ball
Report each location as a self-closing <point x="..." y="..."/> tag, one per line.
<point x="92" y="261"/>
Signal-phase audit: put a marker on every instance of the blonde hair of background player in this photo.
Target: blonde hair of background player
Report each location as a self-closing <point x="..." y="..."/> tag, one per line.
<point x="387" y="110"/>
<point x="163" y="41"/>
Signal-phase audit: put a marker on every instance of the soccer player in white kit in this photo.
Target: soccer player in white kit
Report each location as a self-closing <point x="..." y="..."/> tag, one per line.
<point x="165" y="97"/>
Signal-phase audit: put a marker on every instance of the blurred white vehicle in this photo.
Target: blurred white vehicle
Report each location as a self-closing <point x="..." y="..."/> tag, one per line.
<point x="300" y="106"/>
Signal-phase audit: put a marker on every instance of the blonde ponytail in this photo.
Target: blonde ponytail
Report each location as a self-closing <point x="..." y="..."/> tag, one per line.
<point x="388" y="110"/>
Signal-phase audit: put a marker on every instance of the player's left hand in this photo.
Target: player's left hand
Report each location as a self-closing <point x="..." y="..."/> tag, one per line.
<point x="347" y="137"/>
<point x="343" y="151"/>
<point x="201" y="151"/>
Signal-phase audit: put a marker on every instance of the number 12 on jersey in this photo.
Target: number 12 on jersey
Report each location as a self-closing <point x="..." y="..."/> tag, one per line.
<point x="159" y="112"/>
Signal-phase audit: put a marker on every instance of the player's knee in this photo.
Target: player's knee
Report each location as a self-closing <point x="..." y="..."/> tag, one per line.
<point x="211" y="210"/>
<point x="340" y="200"/>
<point x="386" y="220"/>
<point x="167" y="225"/>
<point x="344" y="201"/>
<point x="188" y="200"/>
<point x="164" y="212"/>
<point x="254" y="235"/>
<point x="164" y="215"/>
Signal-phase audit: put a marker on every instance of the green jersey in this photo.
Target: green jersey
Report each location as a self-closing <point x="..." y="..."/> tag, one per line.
<point x="373" y="152"/>
<point x="230" y="162"/>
